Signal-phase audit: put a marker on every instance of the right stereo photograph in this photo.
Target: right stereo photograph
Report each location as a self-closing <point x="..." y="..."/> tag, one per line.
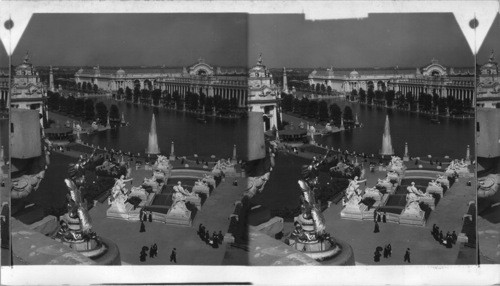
<point x="488" y="147"/>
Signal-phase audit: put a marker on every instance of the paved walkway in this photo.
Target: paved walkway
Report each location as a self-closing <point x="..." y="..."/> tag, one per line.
<point x="190" y="249"/>
<point x="424" y="249"/>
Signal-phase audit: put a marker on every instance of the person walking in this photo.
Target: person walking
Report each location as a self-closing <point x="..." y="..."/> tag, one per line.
<point x="143" y="227"/>
<point x="376" y="230"/>
<point x="150" y="216"/>
<point x="389" y="250"/>
<point x="407" y="256"/>
<point x="384" y="217"/>
<point x="173" y="256"/>
<point x="385" y="252"/>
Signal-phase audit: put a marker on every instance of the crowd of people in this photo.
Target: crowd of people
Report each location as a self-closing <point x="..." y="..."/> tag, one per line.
<point x="447" y="240"/>
<point x="215" y="240"/>
<point x="387" y="252"/>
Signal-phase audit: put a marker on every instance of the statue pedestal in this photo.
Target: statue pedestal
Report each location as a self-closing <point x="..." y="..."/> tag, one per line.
<point x="171" y="158"/>
<point x="406" y="158"/>
<point x="178" y="214"/>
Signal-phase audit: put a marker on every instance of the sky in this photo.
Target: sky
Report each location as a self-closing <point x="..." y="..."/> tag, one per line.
<point x="286" y="40"/>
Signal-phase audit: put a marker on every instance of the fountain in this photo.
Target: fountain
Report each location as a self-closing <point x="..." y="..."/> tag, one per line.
<point x="310" y="234"/>
<point x="386" y="139"/>
<point x="406" y="156"/>
<point x="467" y="156"/>
<point x="234" y="159"/>
<point x="153" y="139"/>
<point x="75" y="228"/>
<point x="172" y="154"/>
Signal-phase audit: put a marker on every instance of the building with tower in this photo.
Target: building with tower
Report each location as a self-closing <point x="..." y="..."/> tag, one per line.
<point x="253" y="89"/>
<point x="285" y="82"/>
<point x="28" y="92"/>
<point x="488" y="87"/>
<point x="264" y="95"/>
<point x="432" y="78"/>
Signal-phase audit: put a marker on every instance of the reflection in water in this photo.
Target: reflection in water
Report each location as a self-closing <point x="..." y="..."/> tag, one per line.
<point x="450" y="137"/>
<point x="216" y="137"/>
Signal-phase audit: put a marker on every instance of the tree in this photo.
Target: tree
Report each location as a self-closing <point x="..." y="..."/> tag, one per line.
<point x="209" y="104"/>
<point x="89" y="109"/>
<point x="323" y="88"/>
<point x="354" y="93"/>
<point x="295" y="105"/>
<point x="79" y="86"/>
<point x="70" y="105"/>
<point x="79" y="108"/>
<point x="335" y="114"/>
<point x="304" y="104"/>
<point x="233" y="103"/>
<point x="52" y="100"/>
<point x="145" y="96"/>
<point x="348" y="114"/>
<point x="102" y="112"/>
<point x="312" y="109"/>
<point x="96" y="88"/>
<point x="389" y="97"/>
<point x="329" y="90"/>
<point x="370" y="95"/>
<point x="62" y="104"/>
<point x="128" y="94"/>
<point x="287" y="102"/>
<point x="323" y="110"/>
<point x="114" y="112"/>
<point x="156" y="95"/>
<point x="362" y="95"/>
<point x="137" y="93"/>
<point x="120" y="93"/>
<point x="318" y="88"/>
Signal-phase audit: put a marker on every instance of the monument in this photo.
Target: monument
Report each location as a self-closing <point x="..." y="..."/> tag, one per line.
<point x="386" y="140"/>
<point x="153" y="139"/>
<point x="310" y="234"/>
<point x="75" y="229"/>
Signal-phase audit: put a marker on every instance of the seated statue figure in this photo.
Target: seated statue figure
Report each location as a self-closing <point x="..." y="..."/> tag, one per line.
<point x="354" y="184"/>
<point x="435" y="184"/>
<point x="414" y="190"/>
<point x="181" y="193"/>
<point x="413" y="207"/>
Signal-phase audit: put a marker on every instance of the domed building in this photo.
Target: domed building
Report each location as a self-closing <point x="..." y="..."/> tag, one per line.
<point x="28" y="91"/>
<point x="488" y="89"/>
<point x="263" y="95"/>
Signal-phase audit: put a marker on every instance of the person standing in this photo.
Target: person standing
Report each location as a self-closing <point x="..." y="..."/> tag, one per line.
<point x="151" y="251"/>
<point x="376" y="256"/>
<point x="385" y="252"/>
<point x="389" y="250"/>
<point x="379" y="217"/>
<point x="150" y="216"/>
<point x="207" y="237"/>
<point x="221" y="237"/>
<point x="384" y="217"/>
<point x="155" y="247"/>
<point x="143" y="227"/>
<point x="454" y="237"/>
<point x="376" y="230"/>
<point x="407" y="256"/>
<point x="173" y="256"/>
<point x="141" y="213"/>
